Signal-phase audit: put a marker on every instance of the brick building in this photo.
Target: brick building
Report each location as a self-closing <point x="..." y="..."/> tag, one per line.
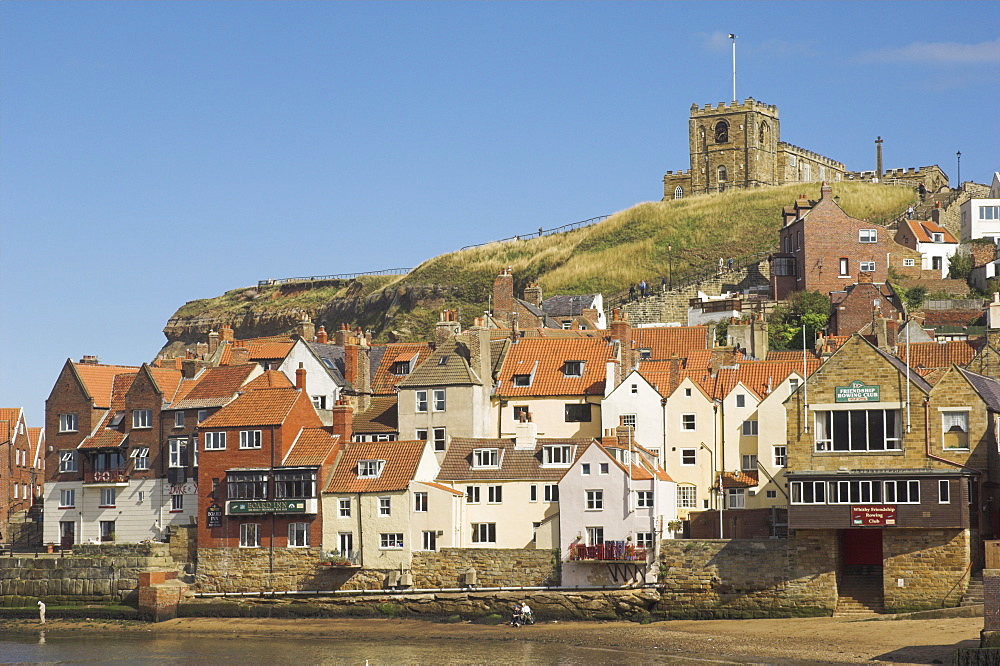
<point x="21" y="477"/>
<point x="865" y="306"/>
<point x="822" y="248"/>
<point x="896" y="469"/>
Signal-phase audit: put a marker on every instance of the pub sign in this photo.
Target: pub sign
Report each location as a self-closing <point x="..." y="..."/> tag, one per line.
<point x="213" y="516"/>
<point x="267" y="506"/>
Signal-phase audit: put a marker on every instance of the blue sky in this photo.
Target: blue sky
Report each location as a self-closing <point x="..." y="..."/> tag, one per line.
<point x="153" y="153"/>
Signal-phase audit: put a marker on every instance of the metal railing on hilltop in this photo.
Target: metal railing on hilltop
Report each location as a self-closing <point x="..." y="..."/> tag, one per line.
<point x="545" y="232"/>
<point x="692" y="277"/>
<point x="341" y="276"/>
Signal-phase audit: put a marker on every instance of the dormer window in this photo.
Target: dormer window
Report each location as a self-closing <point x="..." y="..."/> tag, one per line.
<point x="401" y="368"/>
<point x="645" y="353"/>
<point x="557" y="455"/>
<point x="443" y="360"/>
<point x="522" y="380"/>
<point x="116" y="420"/>
<point x="937" y="237"/>
<point x="573" y="369"/>
<point x="370" y="469"/>
<point x="485" y="458"/>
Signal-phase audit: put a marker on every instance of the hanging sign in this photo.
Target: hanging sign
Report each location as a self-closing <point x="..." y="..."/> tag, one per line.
<point x="873" y="516"/>
<point x="213" y="516"/>
<point x="857" y="391"/>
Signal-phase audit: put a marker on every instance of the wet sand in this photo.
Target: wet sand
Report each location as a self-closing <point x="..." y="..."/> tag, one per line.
<point x="816" y="640"/>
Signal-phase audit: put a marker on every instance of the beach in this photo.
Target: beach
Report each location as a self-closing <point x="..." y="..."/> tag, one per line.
<point x="817" y="640"/>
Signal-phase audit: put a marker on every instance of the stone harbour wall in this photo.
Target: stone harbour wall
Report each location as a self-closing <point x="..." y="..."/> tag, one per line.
<point x="932" y="565"/>
<point x="748" y="578"/>
<point x="495" y="567"/>
<point x="91" y="573"/>
<point x="248" y="570"/>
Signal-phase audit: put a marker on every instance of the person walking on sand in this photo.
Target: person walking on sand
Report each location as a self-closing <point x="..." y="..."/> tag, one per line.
<point x="41" y="612"/>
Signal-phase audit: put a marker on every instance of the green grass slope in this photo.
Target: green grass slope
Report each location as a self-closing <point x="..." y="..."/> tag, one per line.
<point x="606" y="257"/>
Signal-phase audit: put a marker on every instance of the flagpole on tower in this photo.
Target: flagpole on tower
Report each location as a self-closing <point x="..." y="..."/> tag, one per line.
<point x="733" y="37"/>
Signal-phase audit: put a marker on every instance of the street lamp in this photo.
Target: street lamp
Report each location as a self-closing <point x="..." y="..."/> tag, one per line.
<point x="958" y="156"/>
<point x="670" y="266"/>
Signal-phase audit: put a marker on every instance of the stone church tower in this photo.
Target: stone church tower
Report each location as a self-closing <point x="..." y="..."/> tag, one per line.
<point x="739" y="145"/>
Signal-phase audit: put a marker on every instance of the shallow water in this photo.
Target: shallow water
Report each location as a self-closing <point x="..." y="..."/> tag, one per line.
<point x="130" y="649"/>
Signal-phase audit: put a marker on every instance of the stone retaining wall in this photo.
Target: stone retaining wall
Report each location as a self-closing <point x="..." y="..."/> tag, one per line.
<point x="278" y="569"/>
<point x="752" y="577"/>
<point x="91" y="573"/>
<point x="495" y="567"/>
<point x="932" y="565"/>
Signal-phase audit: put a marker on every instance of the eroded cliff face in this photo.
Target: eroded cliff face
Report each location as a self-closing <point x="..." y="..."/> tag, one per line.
<point x="383" y="311"/>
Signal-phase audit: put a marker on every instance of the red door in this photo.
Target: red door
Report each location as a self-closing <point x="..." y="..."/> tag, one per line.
<point x="862" y="547"/>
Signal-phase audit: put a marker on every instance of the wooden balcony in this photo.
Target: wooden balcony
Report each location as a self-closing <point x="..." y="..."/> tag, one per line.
<point x="106" y="477"/>
<point x="609" y="551"/>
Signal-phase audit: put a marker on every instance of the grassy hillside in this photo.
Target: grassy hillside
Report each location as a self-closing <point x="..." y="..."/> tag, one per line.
<point x="606" y="257"/>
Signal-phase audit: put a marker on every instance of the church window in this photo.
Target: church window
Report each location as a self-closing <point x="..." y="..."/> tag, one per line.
<point x="792" y="161"/>
<point x="722" y="132"/>
<point x="763" y="134"/>
<point x="806" y="172"/>
<point x="678" y="192"/>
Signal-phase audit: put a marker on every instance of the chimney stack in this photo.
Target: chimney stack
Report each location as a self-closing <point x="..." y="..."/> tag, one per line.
<point x="226" y="334"/>
<point x="306" y="329"/>
<point x="533" y="294"/>
<point x="503" y="294"/>
<point x="189" y="368"/>
<point x="343" y="420"/>
<point x="321" y="337"/>
<point x="300" y="377"/>
<point x="239" y="356"/>
<point x="525" y="435"/>
<point x="340" y="335"/>
<point x="936" y="212"/>
<point x="90" y="360"/>
<point x="213" y="341"/>
<point x="448" y="327"/>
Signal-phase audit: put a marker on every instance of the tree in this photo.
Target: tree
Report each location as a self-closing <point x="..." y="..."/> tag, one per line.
<point x="809" y="309"/>
<point x="959" y="266"/>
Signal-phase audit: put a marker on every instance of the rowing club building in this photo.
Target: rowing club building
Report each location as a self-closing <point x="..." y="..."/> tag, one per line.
<point x="890" y="473"/>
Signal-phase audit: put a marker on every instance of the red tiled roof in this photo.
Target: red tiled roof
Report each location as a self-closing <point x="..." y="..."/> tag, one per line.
<point x="546" y="358"/>
<point x="515" y="464"/>
<point x="641" y="471"/>
<point x="922" y="230"/>
<point x="269" y="406"/>
<point x="105" y="438"/>
<point x="665" y="342"/>
<point x="760" y="377"/>
<point x="940" y="354"/>
<point x="313" y="446"/>
<point x="401" y="460"/>
<point x="215" y="386"/>
<point x="35" y="436"/>
<point x="745" y="479"/>
<point x="266" y="350"/>
<point x="441" y="486"/>
<point x="269" y="379"/>
<point x="384" y="382"/>
<point x="168" y="380"/>
<point x="98" y="380"/>
<point x="381" y="417"/>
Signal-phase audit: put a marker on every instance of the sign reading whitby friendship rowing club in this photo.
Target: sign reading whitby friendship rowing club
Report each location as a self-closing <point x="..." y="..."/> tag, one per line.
<point x="857" y="391"/>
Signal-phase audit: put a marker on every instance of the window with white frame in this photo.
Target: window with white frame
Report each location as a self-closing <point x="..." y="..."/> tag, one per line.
<point x="344" y="507"/>
<point x="909" y="262"/>
<point x="644" y="499"/>
<point x="429" y="541"/>
<point x="902" y="492"/>
<point x="202" y="415"/>
<point x="177" y="449"/>
<point x="440" y="439"/>
<point x="585" y="469"/>
<point x="749" y="461"/>
<point x="867" y="266"/>
<point x="439" y="402"/>
<point x="391" y="541"/>
<point x="176" y="503"/>
<point x="420" y="434"/>
<point x="780" y="456"/>
<point x="689" y="456"/>
<point x="484" y="532"/>
<point x="421" y="401"/>
<point x="551" y="492"/>
<point x="67" y="461"/>
<point x="573" y="369"/>
<point x="955" y="427"/>
<point x="472" y="494"/>
<point x="628" y="420"/>
<point x="179" y="419"/>
<point x="645" y="539"/>
<point x="485" y="458"/>
<point x="385" y="506"/>
<point x="989" y="212"/>
<point x="793" y="385"/>
<point x="494" y="494"/>
<point x="370" y="469"/>
<point x="108" y="496"/>
<point x="595" y="536"/>
<point x="687" y="393"/>
<point x="140" y="456"/>
<point x="687" y="496"/>
<point x="750" y="428"/>
<point x="298" y="535"/>
<point x="250" y="439"/>
<point x="688" y="422"/>
<point x="737" y="498"/>
<point x="69" y="423"/>
<point x="867" y="235"/>
<point x="603" y="468"/>
<point x="855" y="492"/>
<point x="142" y="418"/>
<point x="521" y="380"/>
<point x="944" y="491"/>
<point x="741" y="400"/>
<point x="67" y="499"/>
<point x="319" y="401"/>
<point x="246" y="485"/>
<point x="215" y="441"/>
<point x="420" y="502"/>
<point x="594" y="500"/>
<point x="557" y="455"/>
<point x="533" y="493"/>
<point x="577" y="413"/>
<point x="857" y="430"/>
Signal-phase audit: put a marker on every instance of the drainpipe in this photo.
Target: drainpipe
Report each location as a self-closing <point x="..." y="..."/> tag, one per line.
<point x="361" y="535"/>
<point x="270" y="550"/>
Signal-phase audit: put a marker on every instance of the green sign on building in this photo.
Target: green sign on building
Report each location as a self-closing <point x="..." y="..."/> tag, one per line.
<point x="267" y="506"/>
<point x="857" y="391"/>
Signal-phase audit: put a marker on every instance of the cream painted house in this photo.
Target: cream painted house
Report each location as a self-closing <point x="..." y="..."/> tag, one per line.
<point x="616" y="506"/>
<point x="510" y="487"/>
<point x="690" y="456"/>
<point x="382" y="504"/>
